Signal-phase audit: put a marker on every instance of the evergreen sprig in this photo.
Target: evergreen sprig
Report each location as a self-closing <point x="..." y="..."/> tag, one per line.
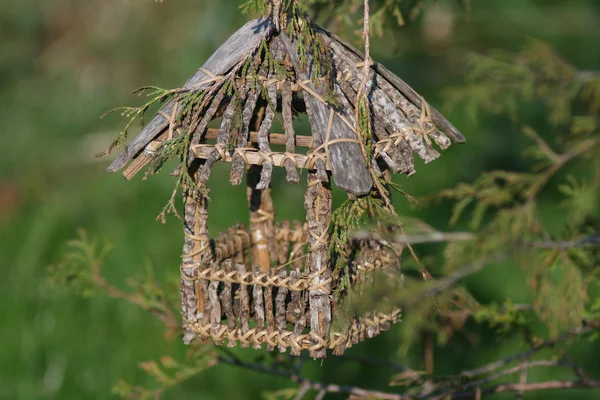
<point x="505" y="205"/>
<point x="157" y="96"/>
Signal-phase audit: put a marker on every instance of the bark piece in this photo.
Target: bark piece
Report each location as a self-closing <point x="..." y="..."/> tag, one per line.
<point x="392" y="155"/>
<point x="279" y="53"/>
<point x="189" y="300"/>
<point x="263" y="137"/>
<point x="385" y="111"/>
<point x="244" y="305"/>
<point x="262" y="215"/>
<point x="290" y="134"/>
<point x="227" y="300"/>
<point x="258" y="304"/>
<point x="269" y="311"/>
<point x="197" y="256"/>
<point x="215" y="307"/>
<point x="317" y="141"/>
<point x="317" y="203"/>
<point x="208" y="115"/>
<point x="223" y="139"/>
<point x="237" y="167"/>
<point x="280" y="318"/>
<point x="400" y="85"/>
<point x="441" y="139"/>
<point x="347" y="161"/>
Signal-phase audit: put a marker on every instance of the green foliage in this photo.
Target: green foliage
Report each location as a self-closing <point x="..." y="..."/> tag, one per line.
<point x="502" y="82"/>
<point x="386" y="15"/>
<point x="581" y="200"/>
<point x="364" y="127"/>
<point x="312" y="52"/>
<point x="157" y="96"/>
<point x="80" y="266"/>
<point x="255" y="6"/>
<point x="278" y="68"/>
<point x="284" y="394"/>
<point x="505" y="317"/>
<point x="352" y="214"/>
<point x="167" y="373"/>
<point x="556" y="272"/>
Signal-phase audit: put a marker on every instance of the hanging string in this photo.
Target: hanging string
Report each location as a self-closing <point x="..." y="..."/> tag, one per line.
<point x="367" y="64"/>
<point x="362" y="102"/>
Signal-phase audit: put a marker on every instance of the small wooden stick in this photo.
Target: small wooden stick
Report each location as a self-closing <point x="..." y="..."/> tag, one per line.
<point x="280" y="308"/>
<point x="385" y="109"/>
<point x="346" y="157"/>
<point x="212" y="133"/>
<point x="296" y="311"/>
<point x="392" y="156"/>
<point x="198" y="133"/>
<point x="263" y="136"/>
<point x="238" y="167"/>
<point x="227" y="300"/>
<point x="317" y="203"/>
<point x="215" y="306"/>
<point x="290" y="135"/>
<point x="244" y="307"/>
<point x="268" y="291"/>
<point x="261" y="221"/>
<point x="256" y="158"/>
<point x="223" y="138"/>
<point x="189" y="299"/>
<point x="257" y="299"/>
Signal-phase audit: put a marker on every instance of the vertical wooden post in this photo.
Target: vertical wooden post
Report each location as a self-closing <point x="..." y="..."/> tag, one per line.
<point x="262" y="214"/>
<point x="317" y="202"/>
<point x="197" y="255"/>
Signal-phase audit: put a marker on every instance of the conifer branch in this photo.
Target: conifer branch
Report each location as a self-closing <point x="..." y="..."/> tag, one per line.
<point x="473" y="382"/>
<point x="432" y="237"/>
<point x="560" y="162"/>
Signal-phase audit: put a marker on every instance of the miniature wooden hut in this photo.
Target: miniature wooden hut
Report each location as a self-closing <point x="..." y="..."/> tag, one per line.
<point x="274" y="283"/>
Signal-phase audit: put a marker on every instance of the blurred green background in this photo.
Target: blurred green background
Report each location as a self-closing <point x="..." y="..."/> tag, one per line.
<point x="63" y="63"/>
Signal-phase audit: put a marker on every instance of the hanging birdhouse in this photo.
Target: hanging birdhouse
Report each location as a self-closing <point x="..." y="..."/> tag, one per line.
<point x="276" y="283"/>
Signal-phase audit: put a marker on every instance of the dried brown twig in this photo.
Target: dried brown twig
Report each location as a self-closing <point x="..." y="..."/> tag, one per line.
<point x="164" y="311"/>
<point x="431" y="237"/>
<point x="559" y="161"/>
<point x="586" y="241"/>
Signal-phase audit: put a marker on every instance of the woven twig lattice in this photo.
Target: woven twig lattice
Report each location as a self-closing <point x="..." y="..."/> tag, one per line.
<point x="231" y="280"/>
<point x="337" y="341"/>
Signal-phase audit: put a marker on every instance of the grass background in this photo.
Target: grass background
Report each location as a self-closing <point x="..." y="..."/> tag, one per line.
<point x="63" y="63"/>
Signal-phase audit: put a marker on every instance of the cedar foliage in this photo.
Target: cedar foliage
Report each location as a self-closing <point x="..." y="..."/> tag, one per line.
<point x="559" y="258"/>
